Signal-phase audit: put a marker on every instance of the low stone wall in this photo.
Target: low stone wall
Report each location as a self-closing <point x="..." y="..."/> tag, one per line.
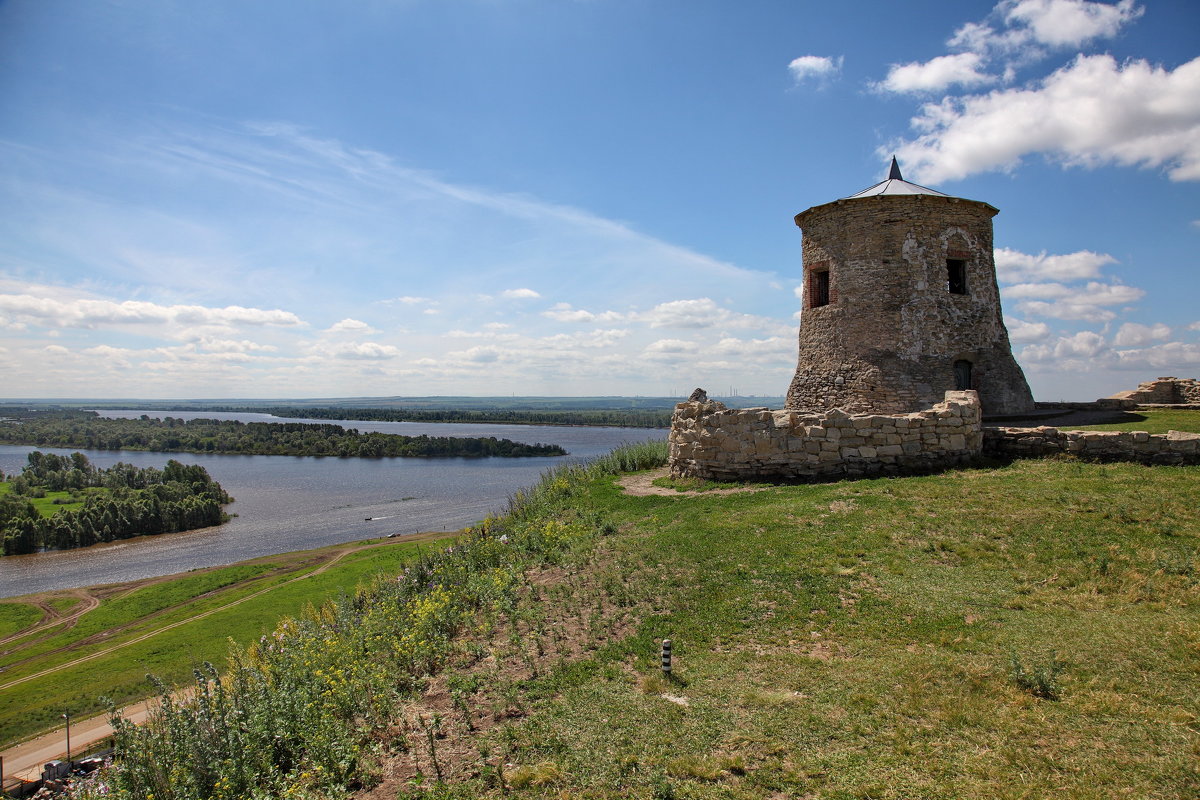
<point x="1103" y="404"/>
<point x="1164" y="391"/>
<point x="1173" y="447"/>
<point x="710" y="441"/>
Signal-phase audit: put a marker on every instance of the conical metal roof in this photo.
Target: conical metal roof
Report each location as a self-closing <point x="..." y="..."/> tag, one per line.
<point x="895" y="184"/>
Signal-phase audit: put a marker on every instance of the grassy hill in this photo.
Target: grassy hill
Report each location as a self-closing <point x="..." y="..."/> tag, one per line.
<point x="1021" y="631"/>
<point x="1013" y="630"/>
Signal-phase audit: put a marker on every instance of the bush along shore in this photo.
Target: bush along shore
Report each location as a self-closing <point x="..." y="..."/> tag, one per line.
<point x="63" y="502"/>
<point x="84" y="429"/>
<point x="305" y="710"/>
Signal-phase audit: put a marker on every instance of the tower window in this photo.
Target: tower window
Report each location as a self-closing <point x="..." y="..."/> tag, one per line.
<point x="956" y="276"/>
<point x="818" y="285"/>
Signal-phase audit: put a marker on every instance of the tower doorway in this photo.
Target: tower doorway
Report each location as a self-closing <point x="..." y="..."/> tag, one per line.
<point x="962" y="375"/>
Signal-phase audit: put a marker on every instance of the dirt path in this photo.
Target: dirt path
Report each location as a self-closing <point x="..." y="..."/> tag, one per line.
<point x="642" y="485"/>
<point x="52" y="618"/>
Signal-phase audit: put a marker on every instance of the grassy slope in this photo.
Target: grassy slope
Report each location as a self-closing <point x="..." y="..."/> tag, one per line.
<point x="858" y="640"/>
<point x="35" y="705"/>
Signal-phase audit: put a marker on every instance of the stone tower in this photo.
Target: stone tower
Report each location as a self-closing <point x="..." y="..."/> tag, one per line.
<point x="901" y="304"/>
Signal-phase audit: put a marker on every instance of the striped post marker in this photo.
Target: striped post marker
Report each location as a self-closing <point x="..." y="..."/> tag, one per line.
<point x="666" y="657"/>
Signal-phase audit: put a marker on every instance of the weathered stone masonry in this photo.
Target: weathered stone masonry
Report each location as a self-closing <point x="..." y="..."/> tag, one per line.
<point x="713" y="442"/>
<point x="901" y="305"/>
<point x="1173" y="447"/>
<point x="901" y="336"/>
<point x="708" y="440"/>
<point x="1164" y="391"/>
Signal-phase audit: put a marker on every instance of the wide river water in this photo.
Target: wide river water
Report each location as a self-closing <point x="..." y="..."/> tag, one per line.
<point x="286" y="503"/>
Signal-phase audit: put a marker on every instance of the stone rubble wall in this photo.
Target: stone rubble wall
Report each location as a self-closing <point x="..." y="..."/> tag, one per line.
<point x="710" y="441"/>
<point x="1173" y="447"/>
<point x="1164" y="391"/>
<point x="1103" y="404"/>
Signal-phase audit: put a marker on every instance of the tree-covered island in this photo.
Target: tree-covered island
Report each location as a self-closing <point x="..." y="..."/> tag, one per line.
<point x="63" y="502"/>
<point x="87" y="430"/>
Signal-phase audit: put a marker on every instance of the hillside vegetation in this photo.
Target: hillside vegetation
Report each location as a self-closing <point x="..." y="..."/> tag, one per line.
<point x="1016" y="630"/>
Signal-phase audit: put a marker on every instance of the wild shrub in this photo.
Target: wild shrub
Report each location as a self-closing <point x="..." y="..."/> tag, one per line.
<point x="293" y="714"/>
<point x="1039" y="680"/>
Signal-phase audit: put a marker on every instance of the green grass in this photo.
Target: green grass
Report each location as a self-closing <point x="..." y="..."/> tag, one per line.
<point x="1028" y="630"/>
<point x="54" y="502"/>
<point x="891" y="638"/>
<point x="693" y="484"/>
<point x="35" y="705"/>
<point x="15" y="617"/>
<point x="64" y="604"/>
<point x="46" y="506"/>
<point x="1152" y="421"/>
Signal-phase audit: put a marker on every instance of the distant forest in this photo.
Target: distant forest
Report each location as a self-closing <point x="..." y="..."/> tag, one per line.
<point x="620" y="418"/>
<point x="100" y="505"/>
<point x="84" y="429"/>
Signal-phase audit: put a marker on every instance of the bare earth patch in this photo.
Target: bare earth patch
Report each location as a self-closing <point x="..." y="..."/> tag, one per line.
<point x="642" y="485"/>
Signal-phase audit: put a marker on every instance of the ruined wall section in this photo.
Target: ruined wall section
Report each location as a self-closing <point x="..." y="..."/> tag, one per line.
<point x="1164" y="391"/>
<point x="888" y="338"/>
<point x="710" y="441"/>
<point x="1173" y="447"/>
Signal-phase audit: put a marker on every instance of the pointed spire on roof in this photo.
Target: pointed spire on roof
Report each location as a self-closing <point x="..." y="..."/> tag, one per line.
<point x="895" y="184"/>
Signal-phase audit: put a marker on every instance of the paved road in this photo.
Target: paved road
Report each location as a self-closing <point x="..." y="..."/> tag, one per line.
<point x="26" y="759"/>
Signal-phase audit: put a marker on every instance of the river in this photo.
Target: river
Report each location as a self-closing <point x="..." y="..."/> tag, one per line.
<point x="286" y="503"/>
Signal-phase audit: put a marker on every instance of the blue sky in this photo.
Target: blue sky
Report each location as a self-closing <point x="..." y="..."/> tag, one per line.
<point x="567" y="197"/>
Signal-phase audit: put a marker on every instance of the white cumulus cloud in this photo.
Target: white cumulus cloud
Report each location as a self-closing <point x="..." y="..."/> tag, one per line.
<point x="364" y="351"/>
<point x="94" y="313"/>
<point x="1069" y="23"/>
<point x="1025" y="29"/>
<point x="1131" y="334"/>
<point x="520" y="294"/>
<point x="350" y="326"/>
<point x="814" y="67"/>
<point x="1093" y="111"/>
<point x="1086" y="303"/>
<point x="961" y="69"/>
<point x="1021" y="331"/>
<point x="565" y="312"/>
<point x="1013" y="265"/>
